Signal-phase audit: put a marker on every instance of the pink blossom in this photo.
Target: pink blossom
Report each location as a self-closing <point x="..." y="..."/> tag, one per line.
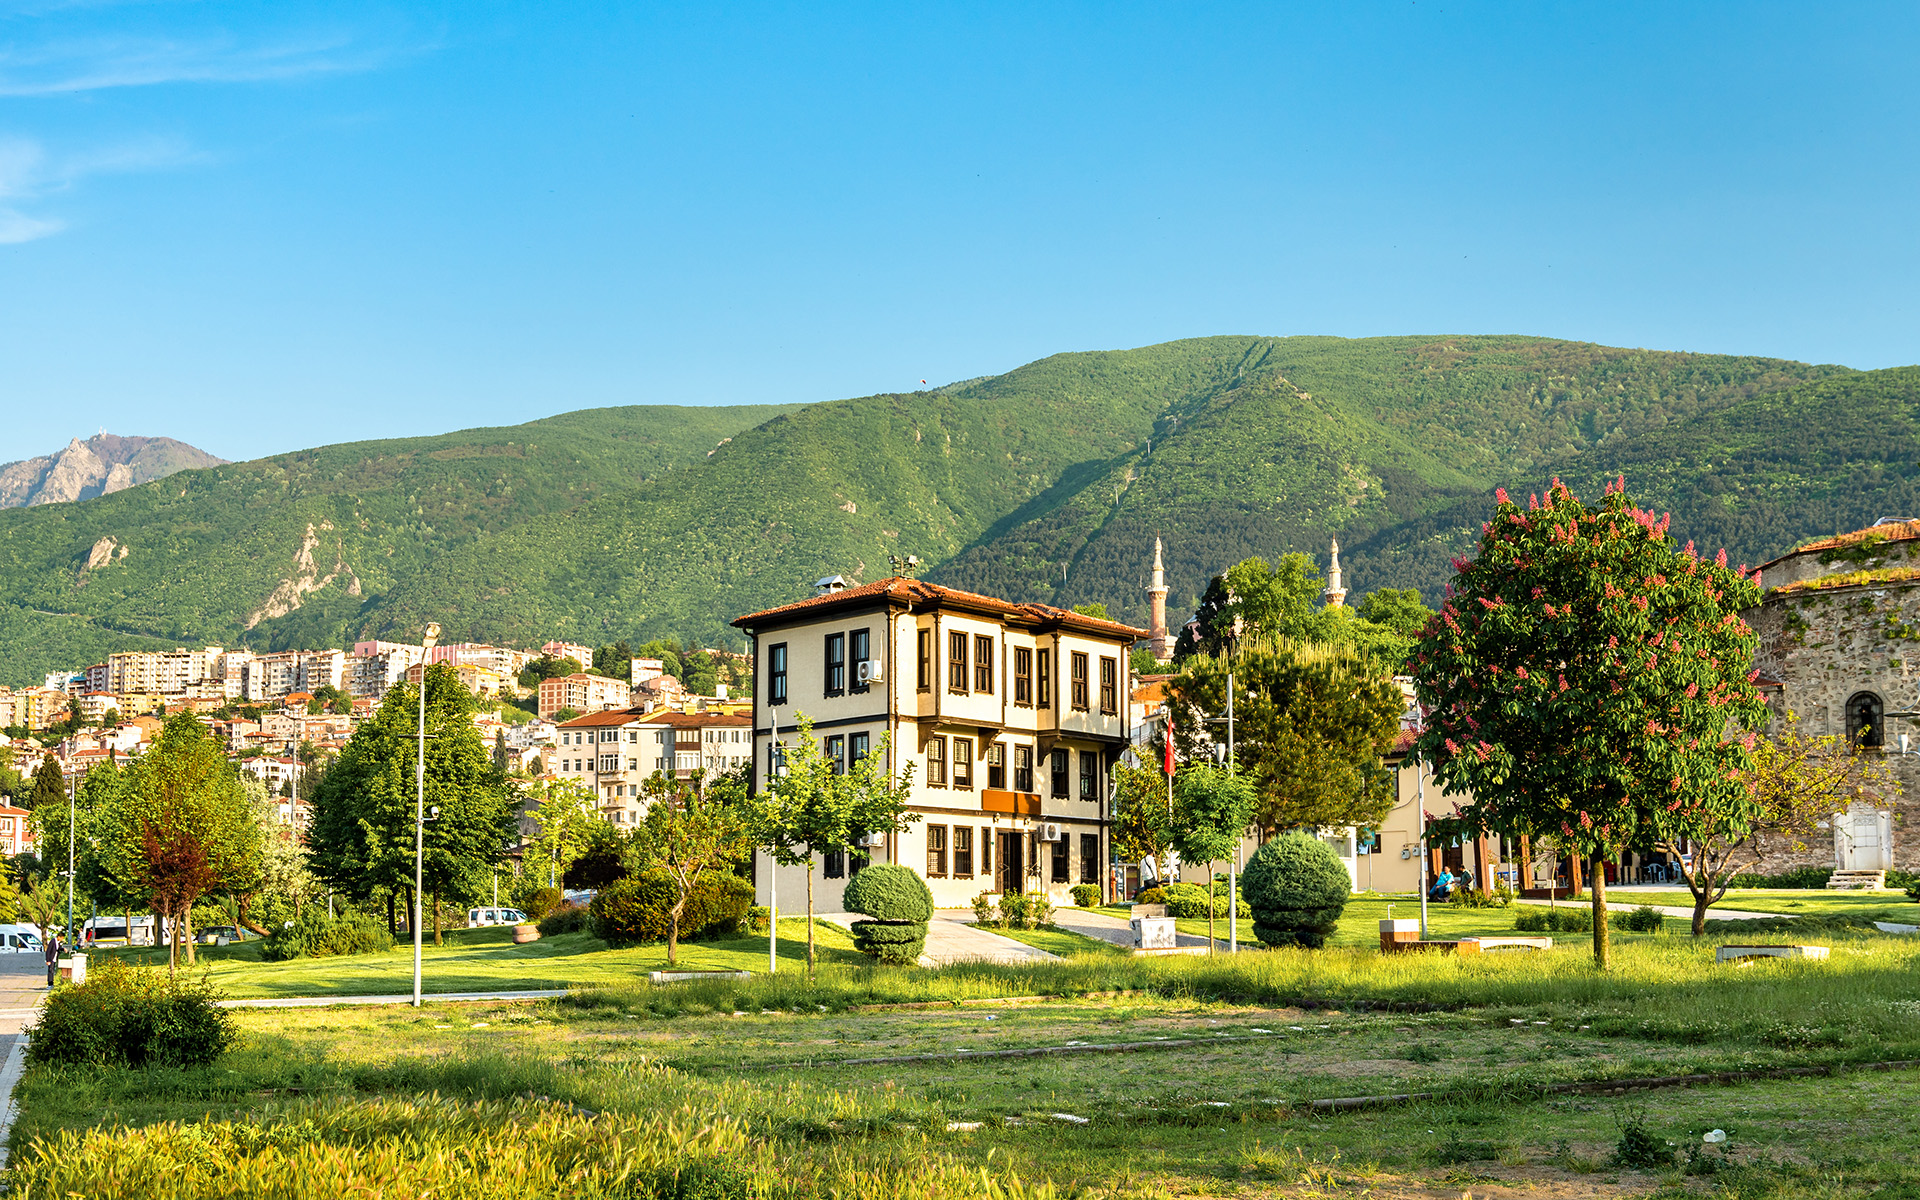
<point x="1452" y="748"/>
<point x="1500" y="495"/>
<point x="1720" y="559"/>
<point x="1693" y="689"/>
<point x="1521" y="672"/>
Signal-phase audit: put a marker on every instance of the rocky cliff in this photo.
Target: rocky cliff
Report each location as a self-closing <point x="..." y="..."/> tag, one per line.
<point x="101" y="465"/>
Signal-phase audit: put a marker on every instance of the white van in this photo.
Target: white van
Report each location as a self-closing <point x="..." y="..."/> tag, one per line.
<point x="21" y="939"/>
<point x="478" y="917"/>
<point x="112" y="931"/>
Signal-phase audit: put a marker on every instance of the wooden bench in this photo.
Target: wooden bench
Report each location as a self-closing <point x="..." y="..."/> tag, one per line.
<point x="1744" y="954"/>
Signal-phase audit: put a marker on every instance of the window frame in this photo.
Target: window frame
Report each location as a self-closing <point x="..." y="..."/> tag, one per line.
<point x="776" y="675"/>
<point x="983" y="663"/>
<point x="859" y="650"/>
<point x="859" y="745"/>
<point x="835" y="750"/>
<point x="962" y="762"/>
<point x="1062" y="866"/>
<point x="1109" y="686"/>
<point x="936" y="852"/>
<point x="836" y="664"/>
<point x="937" y="761"/>
<point x="1023" y="676"/>
<point x="957" y="646"/>
<point x="1079" y="668"/>
<point x="923" y="647"/>
<point x="1089" y="775"/>
<point x="1060" y="773"/>
<point x="962" y="846"/>
<point x="1090" y="858"/>
<point x="1043" y="677"/>
<point x="1023" y="775"/>
<point x="996" y="760"/>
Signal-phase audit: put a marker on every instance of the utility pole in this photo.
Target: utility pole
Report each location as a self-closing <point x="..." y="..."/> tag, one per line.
<point x="420" y="803"/>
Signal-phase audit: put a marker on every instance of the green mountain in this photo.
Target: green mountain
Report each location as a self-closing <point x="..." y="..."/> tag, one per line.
<point x="288" y="551"/>
<point x="1049" y="482"/>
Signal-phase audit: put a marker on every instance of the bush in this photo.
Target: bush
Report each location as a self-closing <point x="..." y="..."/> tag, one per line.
<point x="1086" y="895"/>
<point x="759" y="919"/>
<point x="1153" y="895"/>
<point x="1567" y="919"/>
<point x="131" y="1017"/>
<point x="1189" y="900"/>
<point x="1645" y="919"/>
<point x="889" y="893"/>
<point x="898" y="901"/>
<point x="1500" y="897"/>
<point x="1799" y="877"/>
<point x="1297" y="888"/>
<point x="316" y="935"/>
<point x="1013" y="911"/>
<point x="539" y="903"/>
<point x="1039" y="911"/>
<point x="568" y="918"/>
<point x="632" y="912"/>
<point x="984" y="914"/>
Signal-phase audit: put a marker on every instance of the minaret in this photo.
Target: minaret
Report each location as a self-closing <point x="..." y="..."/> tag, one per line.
<point x="1158" y="639"/>
<point x="1336" y="591"/>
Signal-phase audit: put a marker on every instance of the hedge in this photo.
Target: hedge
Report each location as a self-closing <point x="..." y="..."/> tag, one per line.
<point x="316" y="935"/>
<point x="1297" y="888"/>
<point x="131" y="1017"/>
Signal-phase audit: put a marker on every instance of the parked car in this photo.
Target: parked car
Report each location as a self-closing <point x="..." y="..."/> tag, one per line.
<point x="20" y="939"/>
<point x="478" y="917"/>
<point x="218" y="935"/>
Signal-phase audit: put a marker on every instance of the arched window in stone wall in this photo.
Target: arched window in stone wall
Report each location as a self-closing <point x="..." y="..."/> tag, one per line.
<point x="1866" y="720"/>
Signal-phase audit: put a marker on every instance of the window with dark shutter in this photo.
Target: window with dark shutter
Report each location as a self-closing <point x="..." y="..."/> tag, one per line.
<point x="1110" y="686"/>
<point x="1089" y="858"/>
<point x="923" y="650"/>
<point x="777" y="675"/>
<point x="937" y="762"/>
<point x="1089" y="775"/>
<point x="1023" y="768"/>
<point x="956" y="662"/>
<point x="983" y="664"/>
<point x="1062" y="853"/>
<point x="1062" y="785"/>
<point x="857" y="745"/>
<point x="1079" y="679"/>
<point x="1022" y="675"/>
<point x="963" y="852"/>
<point x="997" y="766"/>
<point x="936" y="851"/>
<point x="1043" y="678"/>
<point x="860" y="648"/>
<point x="963" y="762"/>
<point x="836" y="752"/>
<point x="836" y="663"/>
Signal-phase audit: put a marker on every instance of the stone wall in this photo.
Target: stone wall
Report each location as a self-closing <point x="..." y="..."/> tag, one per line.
<point x="1826" y="645"/>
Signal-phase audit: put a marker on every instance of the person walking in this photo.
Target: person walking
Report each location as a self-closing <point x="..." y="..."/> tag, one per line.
<point x="53" y="957"/>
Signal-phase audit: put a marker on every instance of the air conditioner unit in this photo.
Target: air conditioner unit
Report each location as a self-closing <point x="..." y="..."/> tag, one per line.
<point x="869" y="670"/>
<point x="1050" y="832"/>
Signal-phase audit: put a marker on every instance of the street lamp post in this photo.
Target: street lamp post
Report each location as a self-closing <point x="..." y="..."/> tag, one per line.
<point x="71" y="789"/>
<point x="420" y="804"/>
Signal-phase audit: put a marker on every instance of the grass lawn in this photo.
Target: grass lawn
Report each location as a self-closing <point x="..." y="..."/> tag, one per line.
<point x="1218" y="1111"/>
<point x="1793" y="902"/>
<point x="1360" y="922"/>
<point x="486" y="960"/>
<point x="1062" y="942"/>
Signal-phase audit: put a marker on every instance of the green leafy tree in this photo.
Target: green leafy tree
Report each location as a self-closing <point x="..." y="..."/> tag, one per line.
<point x="1399" y="610"/>
<point x="49" y="785"/>
<point x="566" y="814"/>
<point x="1212" y="808"/>
<point x="1796" y="783"/>
<point x="1142" y="822"/>
<point x="179" y="828"/>
<point x="691" y="837"/>
<point x="614" y="661"/>
<point x="1591" y="680"/>
<point x="810" y="809"/>
<point x="362" y="838"/>
<point x="1312" y="724"/>
<point x="1096" y="610"/>
<point x="284" y="880"/>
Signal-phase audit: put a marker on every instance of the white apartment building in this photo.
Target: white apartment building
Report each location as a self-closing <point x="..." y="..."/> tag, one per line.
<point x="374" y="667"/>
<point x="159" y="672"/>
<point x="279" y="674"/>
<point x="501" y="660"/>
<point x="1012" y="716"/>
<point x="573" y="650"/>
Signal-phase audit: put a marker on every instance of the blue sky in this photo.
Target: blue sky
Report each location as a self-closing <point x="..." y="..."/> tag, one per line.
<point x="265" y="226"/>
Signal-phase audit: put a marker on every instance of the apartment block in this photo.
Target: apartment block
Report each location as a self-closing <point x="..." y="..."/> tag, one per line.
<point x="616" y="752"/>
<point x="1011" y="715"/>
<point x="573" y="650"/>
<point x="160" y="672"/>
<point x="374" y="667"/>
<point x="481" y="681"/>
<point x="277" y="675"/>
<point x="583" y="693"/>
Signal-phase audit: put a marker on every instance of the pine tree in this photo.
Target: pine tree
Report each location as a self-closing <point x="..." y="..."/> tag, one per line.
<point x="49" y="785"/>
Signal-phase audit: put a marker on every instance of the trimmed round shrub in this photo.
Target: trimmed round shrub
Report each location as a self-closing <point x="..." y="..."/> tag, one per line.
<point x="898" y="901"/>
<point x="1297" y="888"/>
<point x="631" y="912"/>
<point x="132" y="1017"/>
<point x="1189" y="901"/>
<point x="540" y="902"/>
<point x="316" y="935"/>
<point x="889" y="893"/>
<point x="1085" y="895"/>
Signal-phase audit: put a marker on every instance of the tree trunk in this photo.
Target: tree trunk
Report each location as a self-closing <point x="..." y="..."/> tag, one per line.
<point x="673" y="936"/>
<point x="173" y="941"/>
<point x="1701" y="901"/>
<point x="1209" y="908"/>
<point x="393" y="925"/>
<point x="436" y="915"/>
<point x="1599" y="912"/>
<point x="1526" y="864"/>
<point x="186" y="930"/>
<point x="809" y="917"/>
<point x="1573" y="874"/>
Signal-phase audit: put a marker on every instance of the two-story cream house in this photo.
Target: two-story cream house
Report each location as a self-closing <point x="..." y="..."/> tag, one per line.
<point x="1011" y="715"/>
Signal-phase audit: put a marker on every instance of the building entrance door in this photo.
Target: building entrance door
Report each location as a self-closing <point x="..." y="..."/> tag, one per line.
<point x="1863" y="839"/>
<point x="1010" y="869"/>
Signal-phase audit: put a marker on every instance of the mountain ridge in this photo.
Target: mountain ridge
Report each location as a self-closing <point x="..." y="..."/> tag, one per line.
<point x="101" y="465"/>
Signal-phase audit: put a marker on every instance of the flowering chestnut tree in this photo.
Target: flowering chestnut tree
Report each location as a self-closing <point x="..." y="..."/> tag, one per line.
<point x="1590" y="680"/>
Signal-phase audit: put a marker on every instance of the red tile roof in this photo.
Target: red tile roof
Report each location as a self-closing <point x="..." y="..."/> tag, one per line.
<point x="903" y="592"/>
<point x="1892" y="531"/>
<point x="673" y="720"/>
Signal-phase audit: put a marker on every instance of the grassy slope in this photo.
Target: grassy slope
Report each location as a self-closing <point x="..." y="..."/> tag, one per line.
<point x="206" y="548"/>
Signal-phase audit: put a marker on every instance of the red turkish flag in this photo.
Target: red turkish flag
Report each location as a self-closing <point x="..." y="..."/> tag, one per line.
<point x="1169" y="764"/>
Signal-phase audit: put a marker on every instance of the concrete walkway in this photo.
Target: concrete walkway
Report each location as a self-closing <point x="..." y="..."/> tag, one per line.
<point x="1114" y="929"/>
<point x="23" y="986"/>
<point x="951" y="940"/>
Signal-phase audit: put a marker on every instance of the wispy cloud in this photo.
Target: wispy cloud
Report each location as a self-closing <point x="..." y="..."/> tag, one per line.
<point x="91" y="64"/>
<point x="29" y="174"/>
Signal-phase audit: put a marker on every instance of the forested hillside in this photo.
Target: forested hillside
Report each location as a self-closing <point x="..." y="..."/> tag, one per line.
<point x="1049" y="482"/>
<point x="286" y="551"/>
